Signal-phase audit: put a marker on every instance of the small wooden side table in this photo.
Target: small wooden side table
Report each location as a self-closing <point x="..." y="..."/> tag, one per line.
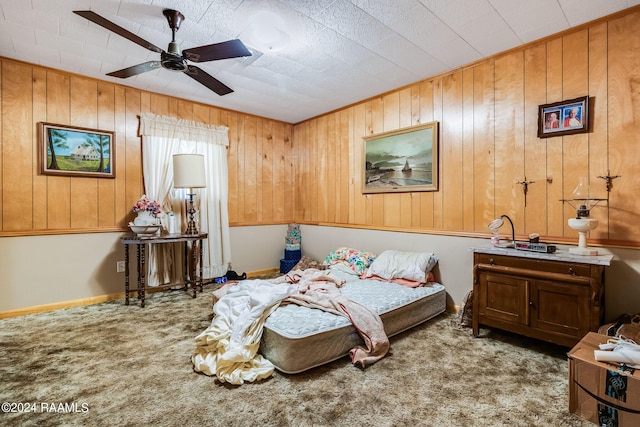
<point x="191" y="276"/>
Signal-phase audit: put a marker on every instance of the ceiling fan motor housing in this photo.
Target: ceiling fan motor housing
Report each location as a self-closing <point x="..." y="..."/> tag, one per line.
<point x="173" y="61"/>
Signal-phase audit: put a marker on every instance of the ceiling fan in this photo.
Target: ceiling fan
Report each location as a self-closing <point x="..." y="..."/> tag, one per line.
<point x="172" y="58"/>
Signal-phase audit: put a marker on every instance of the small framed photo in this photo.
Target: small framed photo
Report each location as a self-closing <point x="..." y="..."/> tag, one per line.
<point x="404" y="160"/>
<point x="76" y="151"/>
<point x="563" y="118"/>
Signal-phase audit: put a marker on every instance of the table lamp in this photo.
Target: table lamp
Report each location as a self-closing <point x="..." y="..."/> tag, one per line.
<point x="497" y="223"/>
<point x="582" y="223"/>
<point x="188" y="172"/>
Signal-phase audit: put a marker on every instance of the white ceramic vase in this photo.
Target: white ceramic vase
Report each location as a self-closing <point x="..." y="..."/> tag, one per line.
<point x="145" y="218"/>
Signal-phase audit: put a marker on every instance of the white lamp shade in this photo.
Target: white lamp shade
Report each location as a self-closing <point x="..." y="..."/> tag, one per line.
<point x="188" y="171"/>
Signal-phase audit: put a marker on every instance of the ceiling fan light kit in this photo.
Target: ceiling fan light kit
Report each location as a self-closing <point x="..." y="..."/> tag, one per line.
<point x="173" y="59"/>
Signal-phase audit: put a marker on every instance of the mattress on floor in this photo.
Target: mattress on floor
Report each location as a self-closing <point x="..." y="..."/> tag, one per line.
<point x="297" y="338"/>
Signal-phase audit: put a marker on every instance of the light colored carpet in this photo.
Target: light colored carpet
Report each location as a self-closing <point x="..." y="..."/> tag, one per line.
<point x="131" y="366"/>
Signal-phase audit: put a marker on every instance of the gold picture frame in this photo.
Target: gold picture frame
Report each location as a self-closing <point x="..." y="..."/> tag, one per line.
<point x="404" y="160"/>
<point x="76" y="151"/>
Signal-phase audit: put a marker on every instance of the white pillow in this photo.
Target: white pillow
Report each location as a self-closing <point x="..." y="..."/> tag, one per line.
<point x="392" y="264"/>
<point x="343" y="269"/>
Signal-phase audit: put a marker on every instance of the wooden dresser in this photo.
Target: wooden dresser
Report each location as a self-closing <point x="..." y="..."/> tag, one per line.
<point x="553" y="297"/>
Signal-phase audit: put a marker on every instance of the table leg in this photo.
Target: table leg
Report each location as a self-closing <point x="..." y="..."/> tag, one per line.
<point x="126" y="274"/>
<point x="192" y="271"/>
<point x="143" y="276"/>
<point x="200" y="266"/>
<point x="185" y="266"/>
<point x="138" y="277"/>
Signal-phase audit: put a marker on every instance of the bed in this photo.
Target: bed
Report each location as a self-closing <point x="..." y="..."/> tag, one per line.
<point x="297" y="338"/>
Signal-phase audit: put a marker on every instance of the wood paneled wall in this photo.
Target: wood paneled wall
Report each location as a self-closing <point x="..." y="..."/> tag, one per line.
<point x="260" y="167"/>
<point x="311" y="172"/>
<point x="488" y="116"/>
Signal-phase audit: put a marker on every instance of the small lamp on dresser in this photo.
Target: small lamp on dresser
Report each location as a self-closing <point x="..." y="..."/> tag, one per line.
<point x="188" y="172"/>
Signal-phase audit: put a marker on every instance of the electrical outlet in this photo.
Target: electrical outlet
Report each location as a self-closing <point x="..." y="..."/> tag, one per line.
<point x="120" y="267"/>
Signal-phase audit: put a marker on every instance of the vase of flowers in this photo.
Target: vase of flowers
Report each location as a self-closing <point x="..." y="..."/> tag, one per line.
<point x="147" y="211"/>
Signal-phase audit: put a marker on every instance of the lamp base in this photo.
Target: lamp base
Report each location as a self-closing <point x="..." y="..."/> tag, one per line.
<point x="582" y="225"/>
<point x="583" y="251"/>
<point x="192" y="229"/>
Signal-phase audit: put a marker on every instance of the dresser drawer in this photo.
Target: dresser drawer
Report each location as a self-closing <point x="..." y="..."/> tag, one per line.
<point x="573" y="269"/>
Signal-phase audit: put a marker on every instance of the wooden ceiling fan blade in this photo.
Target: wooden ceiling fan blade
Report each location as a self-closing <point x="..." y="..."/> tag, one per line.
<point x="213" y="52"/>
<point x="207" y="80"/>
<point x="136" y="69"/>
<point x="172" y="59"/>
<point x="105" y="23"/>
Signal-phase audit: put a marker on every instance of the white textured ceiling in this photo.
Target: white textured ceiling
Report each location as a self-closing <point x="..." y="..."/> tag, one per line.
<point x="340" y="51"/>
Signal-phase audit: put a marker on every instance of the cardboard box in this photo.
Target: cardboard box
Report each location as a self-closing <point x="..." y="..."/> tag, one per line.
<point x="601" y="392"/>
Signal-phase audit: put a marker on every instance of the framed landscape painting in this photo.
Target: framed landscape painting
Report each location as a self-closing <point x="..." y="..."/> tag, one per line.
<point x="76" y="151"/>
<point x="401" y="161"/>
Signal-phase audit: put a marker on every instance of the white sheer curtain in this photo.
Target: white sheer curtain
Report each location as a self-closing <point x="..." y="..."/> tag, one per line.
<point x="162" y="137"/>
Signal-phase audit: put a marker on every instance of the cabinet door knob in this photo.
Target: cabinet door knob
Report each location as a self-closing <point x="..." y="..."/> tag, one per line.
<point x="491" y="261"/>
<point x="571" y="272"/>
<point x="531" y="303"/>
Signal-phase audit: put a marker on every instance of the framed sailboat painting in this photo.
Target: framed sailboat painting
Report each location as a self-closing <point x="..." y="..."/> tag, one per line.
<point x="404" y="160"/>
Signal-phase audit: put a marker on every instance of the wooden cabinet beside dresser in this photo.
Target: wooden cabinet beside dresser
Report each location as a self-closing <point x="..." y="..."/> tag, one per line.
<point x="544" y="296"/>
